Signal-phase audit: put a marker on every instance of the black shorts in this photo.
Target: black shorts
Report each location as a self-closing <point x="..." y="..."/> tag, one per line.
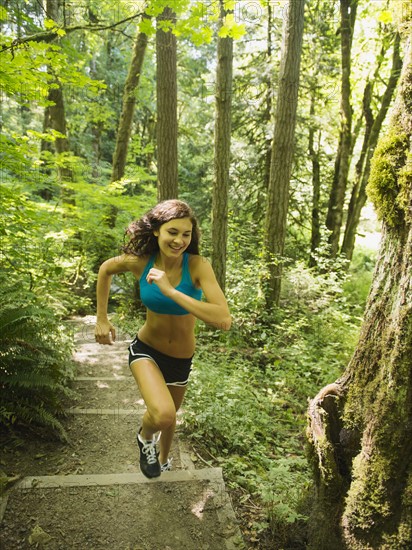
<point x="175" y="370"/>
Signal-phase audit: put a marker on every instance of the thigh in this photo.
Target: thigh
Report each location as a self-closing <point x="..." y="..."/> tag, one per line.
<point x="177" y="393"/>
<point x="152" y="385"/>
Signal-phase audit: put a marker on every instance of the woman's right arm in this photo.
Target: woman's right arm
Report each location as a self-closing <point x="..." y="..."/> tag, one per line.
<point x="105" y="332"/>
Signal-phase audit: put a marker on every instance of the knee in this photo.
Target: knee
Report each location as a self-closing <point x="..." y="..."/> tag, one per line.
<point x="163" y="417"/>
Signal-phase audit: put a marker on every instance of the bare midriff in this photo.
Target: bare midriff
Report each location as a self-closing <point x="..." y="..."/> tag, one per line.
<point x="169" y="334"/>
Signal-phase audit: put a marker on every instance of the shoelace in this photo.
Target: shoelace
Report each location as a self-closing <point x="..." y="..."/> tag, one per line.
<point x="167" y="465"/>
<point x="149" y="449"/>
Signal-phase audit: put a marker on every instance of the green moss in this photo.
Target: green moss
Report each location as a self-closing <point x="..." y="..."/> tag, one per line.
<point x="390" y="175"/>
<point x="405" y="183"/>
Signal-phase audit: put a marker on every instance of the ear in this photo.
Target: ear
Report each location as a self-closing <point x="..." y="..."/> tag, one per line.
<point x="156" y="233"/>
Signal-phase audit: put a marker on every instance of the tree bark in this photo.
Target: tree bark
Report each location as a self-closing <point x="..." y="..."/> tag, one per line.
<point x="223" y="125"/>
<point x="166" y="130"/>
<point x="337" y="195"/>
<point x="373" y="128"/>
<point x="128" y="107"/>
<point x="360" y="428"/>
<point x="282" y="148"/>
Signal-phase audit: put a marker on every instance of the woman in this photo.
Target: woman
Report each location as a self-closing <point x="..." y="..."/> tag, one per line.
<point x="163" y="254"/>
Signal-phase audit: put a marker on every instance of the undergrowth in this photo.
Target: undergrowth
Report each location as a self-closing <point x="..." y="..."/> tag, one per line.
<point x="35" y="362"/>
<point x="246" y="405"/>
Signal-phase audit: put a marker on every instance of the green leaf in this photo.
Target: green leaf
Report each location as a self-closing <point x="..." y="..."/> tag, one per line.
<point x="385" y="17"/>
<point x="50" y="24"/>
<point x="146" y="26"/>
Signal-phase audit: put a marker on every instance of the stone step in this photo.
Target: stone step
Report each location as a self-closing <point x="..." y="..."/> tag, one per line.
<point x="178" y="511"/>
<point x="97" y="480"/>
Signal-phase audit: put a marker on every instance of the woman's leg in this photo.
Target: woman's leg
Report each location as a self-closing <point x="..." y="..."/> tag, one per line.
<point x="161" y="408"/>
<point x="177" y="393"/>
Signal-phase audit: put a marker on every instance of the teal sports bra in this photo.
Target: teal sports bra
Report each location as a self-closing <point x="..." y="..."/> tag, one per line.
<point x="153" y="298"/>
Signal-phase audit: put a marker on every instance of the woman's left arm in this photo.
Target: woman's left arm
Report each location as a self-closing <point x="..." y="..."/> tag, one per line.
<point x="215" y="310"/>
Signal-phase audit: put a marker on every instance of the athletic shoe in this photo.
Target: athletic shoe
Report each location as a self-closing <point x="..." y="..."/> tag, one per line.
<point x="149" y="462"/>
<point x="167" y="466"/>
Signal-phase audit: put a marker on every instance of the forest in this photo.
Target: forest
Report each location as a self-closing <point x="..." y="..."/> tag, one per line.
<point x="286" y="125"/>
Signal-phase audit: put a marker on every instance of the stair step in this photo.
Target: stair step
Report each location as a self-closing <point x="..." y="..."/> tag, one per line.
<point x="178" y="511"/>
<point x="97" y="480"/>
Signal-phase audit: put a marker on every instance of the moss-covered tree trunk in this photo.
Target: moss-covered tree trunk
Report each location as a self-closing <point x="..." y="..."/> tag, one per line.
<point x="360" y="428"/>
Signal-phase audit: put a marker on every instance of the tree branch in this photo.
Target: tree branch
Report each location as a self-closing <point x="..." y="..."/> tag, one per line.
<point x="49" y="36"/>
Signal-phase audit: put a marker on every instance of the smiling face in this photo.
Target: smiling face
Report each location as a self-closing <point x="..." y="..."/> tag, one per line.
<point x="174" y="236"/>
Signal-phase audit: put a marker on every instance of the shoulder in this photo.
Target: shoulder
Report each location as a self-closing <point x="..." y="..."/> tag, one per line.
<point x="125" y="263"/>
<point x="200" y="266"/>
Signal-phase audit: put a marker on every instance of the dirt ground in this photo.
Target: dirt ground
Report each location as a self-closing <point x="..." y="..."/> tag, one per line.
<point x="101" y="423"/>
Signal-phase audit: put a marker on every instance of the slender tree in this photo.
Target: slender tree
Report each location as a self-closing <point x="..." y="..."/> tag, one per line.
<point x="334" y="217"/>
<point x="128" y="106"/>
<point x="360" y="427"/>
<point x="283" y="146"/>
<point x="223" y="119"/>
<point x="315" y="161"/>
<point x="267" y="116"/>
<point x="373" y="128"/>
<point x="166" y="89"/>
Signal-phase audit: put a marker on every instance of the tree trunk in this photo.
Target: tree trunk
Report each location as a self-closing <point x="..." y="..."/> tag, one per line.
<point x="282" y="147"/>
<point x="128" y="107"/>
<point x="360" y="428"/>
<point x="223" y="127"/>
<point x="340" y="178"/>
<point x="358" y="197"/>
<point x="126" y="118"/>
<point x="314" y="156"/>
<point x="166" y="87"/>
<point x="55" y="118"/>
<point x="267" y="116"/>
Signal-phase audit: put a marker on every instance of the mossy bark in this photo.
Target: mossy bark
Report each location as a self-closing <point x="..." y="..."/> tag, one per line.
<point x="360" y="428"/>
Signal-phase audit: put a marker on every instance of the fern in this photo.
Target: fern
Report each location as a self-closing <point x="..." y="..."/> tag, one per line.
<point x="35" y="364"/>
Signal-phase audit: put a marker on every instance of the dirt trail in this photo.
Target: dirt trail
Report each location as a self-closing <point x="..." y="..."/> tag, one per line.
<point x="90" y="494"/>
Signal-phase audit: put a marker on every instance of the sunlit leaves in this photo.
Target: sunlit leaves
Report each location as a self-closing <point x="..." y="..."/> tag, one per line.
<point x="231" y="28"/>
<point x="385" y="17"/>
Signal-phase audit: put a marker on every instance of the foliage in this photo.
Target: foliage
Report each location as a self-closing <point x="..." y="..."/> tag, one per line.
<point x="35" y="360"/>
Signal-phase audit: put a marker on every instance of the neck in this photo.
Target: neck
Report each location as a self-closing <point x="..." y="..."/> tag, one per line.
<point x="168" y="264"/>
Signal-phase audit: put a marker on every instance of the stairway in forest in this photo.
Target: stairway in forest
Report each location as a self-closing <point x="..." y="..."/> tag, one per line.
<point x="91" y="495"/>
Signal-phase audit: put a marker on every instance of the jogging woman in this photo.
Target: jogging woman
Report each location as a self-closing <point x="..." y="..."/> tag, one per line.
<point x="163" y="255"/>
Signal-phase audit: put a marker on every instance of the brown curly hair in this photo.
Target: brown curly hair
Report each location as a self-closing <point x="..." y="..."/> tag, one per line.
<point x="142" y="240"/>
